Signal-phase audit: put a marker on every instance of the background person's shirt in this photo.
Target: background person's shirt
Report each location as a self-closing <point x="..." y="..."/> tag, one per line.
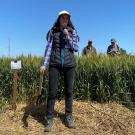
<point x="112" y="48"/>
<point x="89" y="50"/>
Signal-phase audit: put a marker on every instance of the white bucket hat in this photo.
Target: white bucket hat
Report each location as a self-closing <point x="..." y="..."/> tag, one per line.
<point x="64" y="12"/>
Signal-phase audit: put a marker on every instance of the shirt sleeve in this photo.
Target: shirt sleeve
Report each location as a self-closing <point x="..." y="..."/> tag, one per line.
<point x="48" y="50"/>
<point x="73" y="40"/>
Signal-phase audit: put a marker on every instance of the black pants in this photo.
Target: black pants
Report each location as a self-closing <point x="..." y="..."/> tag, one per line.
<point x="54" y="74"/>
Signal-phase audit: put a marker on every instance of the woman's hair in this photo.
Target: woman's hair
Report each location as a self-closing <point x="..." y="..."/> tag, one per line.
<point x="57" y="25"/>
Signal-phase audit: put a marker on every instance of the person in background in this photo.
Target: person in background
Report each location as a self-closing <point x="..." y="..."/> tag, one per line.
<point x="89" y="49"/>
<point x="59" y="57"/>
<point x="113" y="49"/>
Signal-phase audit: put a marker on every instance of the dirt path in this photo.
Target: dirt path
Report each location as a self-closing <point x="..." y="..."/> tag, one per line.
<point x="90" y="119"/>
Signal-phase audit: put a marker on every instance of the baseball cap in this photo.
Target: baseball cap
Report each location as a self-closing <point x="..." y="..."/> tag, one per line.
<point x="113" y="40"/>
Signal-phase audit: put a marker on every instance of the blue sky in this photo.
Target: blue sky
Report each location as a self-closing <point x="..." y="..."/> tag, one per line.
<point x="26" y="22"/>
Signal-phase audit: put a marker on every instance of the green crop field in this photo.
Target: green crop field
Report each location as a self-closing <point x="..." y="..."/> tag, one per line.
<point x="98" y="78"/>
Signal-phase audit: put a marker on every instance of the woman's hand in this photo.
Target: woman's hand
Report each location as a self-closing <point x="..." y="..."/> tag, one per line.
<point x="66" y="32"/>
<point x="42" y="69"/>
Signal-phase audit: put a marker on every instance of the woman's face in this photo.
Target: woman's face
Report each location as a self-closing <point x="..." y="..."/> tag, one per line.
<point x="64" y="20"/>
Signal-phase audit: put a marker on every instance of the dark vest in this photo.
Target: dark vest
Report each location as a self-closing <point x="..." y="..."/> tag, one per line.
<point x="58" y="44"/>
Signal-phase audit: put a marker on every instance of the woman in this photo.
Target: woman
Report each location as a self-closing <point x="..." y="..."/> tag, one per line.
<point x="59" y="56"/>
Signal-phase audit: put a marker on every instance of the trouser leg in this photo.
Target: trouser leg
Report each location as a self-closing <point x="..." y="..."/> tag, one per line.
<point x="69" y="74"/>
<point x="53" y="87"/>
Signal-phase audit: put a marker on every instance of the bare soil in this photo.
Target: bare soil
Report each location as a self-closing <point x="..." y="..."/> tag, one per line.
<point x="90" y="119"/>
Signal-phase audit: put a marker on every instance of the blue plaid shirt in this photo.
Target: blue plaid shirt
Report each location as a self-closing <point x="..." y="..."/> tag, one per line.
<point x="72" y="43"/>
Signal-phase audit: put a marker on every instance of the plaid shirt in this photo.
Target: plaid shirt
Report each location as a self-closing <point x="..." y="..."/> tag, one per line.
<point x="72" y="43"/>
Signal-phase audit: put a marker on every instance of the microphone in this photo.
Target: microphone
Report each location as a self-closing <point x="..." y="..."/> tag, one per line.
<point x="64" y="26"/>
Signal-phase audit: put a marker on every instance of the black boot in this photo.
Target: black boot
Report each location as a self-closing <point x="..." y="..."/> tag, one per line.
<point x="49" y="124"/>
<point x="69" y="121"/>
